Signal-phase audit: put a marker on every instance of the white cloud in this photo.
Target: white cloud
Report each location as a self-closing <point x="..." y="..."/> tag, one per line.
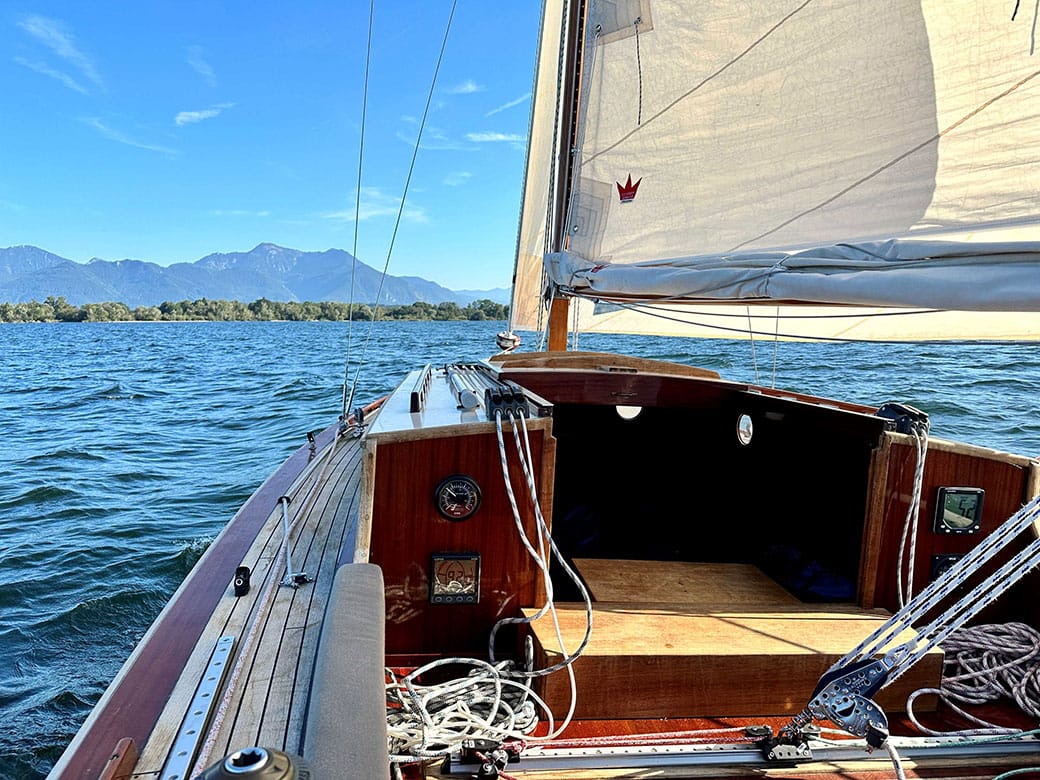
<point x="47" y="70"/>
<point x="239" y="213"/>
<point x="467" y="87"/>
<point x="490" y="137"/>
<point x="510" y="104"/>
<point x="120" y="137"/>
<point x="52" y="34"/>
<point x="457" y="178"/>
<point x="375" y="204"/>
<point x="433" y="139"/>
<point x="198" y="63"/>
<point x="191" y="117"/>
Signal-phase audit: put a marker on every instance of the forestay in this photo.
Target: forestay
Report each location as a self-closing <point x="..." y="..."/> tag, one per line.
<point x="796" y="151"/>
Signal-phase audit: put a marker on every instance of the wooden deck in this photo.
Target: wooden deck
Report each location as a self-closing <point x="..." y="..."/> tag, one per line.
<point x="263" y="698"/>
<point x="276" y="626"/>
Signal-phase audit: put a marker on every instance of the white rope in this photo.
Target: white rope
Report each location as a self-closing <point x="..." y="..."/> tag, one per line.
<point x="897" y="763"/>
<point x="494" y="700"/>
<point x="920" y="434"/>
<point x="431" y="721"/>
<point x="984" y="664"/>
<point x="541" y="558"/>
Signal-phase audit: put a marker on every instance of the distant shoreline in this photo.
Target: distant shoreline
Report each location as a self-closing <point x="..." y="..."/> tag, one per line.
<point x="57" y="309"/>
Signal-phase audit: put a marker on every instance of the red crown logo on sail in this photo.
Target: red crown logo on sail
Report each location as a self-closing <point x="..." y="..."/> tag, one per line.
<point x="627" y="191"/>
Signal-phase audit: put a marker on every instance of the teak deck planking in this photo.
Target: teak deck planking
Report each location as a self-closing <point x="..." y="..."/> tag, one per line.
<point x="141" y="691"/>
<point x="276" y="626"/>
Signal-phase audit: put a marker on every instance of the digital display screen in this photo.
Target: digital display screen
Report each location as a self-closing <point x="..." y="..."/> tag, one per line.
<point x="958" y="510"/>
<point x="455" y="578"/>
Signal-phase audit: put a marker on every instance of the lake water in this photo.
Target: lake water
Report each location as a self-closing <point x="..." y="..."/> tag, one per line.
<point x="127" y="446"/>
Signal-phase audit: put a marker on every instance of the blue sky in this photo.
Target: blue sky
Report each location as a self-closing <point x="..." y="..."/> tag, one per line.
<point x="170" y="129"/>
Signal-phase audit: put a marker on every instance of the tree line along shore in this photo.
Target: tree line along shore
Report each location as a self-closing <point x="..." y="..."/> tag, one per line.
<point x="57" y="309"/>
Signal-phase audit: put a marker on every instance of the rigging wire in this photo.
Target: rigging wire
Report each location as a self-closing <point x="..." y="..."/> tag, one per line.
<point x="776" y="343"/>
<point x="751" y="335"/>
<point x="653" y="310"/>
<point x="404" y="197"/>
<point x="357" y="212"/>
<point x="639" y="72"/>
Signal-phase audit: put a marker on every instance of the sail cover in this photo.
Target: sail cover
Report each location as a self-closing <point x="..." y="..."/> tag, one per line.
<point x="801" y="151"/>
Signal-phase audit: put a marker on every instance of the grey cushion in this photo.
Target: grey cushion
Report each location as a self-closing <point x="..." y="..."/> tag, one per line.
<point x="345" y="733"/>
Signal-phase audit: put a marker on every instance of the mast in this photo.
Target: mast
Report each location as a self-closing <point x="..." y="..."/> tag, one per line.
<point x="571" y="85"/>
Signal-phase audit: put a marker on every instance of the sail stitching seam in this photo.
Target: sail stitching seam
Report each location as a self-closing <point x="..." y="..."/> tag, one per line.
<point x="896" y="160"/>
<point x="706" y="80"/>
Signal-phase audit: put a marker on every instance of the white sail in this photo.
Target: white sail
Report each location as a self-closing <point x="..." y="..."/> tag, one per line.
<point x="539" y="178"/>
<point x="801" y="151"/>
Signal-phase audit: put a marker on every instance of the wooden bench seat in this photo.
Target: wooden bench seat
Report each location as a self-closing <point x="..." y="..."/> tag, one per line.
<point x="709" y="585"/>
<point x="740" y="657"/>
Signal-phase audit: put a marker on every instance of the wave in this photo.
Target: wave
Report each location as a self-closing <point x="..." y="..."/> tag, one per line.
<point x="40" y="495"/>
<point x="67" y="453"/>
<point x="116" y="392"/>
<point x="190" y="551"/>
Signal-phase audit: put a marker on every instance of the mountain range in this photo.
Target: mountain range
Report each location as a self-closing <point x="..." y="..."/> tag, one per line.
<point x="267" y="271"/>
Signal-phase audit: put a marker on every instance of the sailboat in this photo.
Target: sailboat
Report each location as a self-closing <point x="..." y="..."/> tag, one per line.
<point x="557" y="563"/>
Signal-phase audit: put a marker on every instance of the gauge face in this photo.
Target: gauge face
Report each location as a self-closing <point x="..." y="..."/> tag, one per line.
<point x="457" y="497"/>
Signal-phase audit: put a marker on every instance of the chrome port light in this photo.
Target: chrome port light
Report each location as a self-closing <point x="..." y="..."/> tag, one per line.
<point x="745" y="429"/>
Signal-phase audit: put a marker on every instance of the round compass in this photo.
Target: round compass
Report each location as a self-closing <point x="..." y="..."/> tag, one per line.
<point x="457" y="497"/>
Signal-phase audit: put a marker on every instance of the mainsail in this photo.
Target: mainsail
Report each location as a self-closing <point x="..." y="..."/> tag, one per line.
<point x="792" y="152"/>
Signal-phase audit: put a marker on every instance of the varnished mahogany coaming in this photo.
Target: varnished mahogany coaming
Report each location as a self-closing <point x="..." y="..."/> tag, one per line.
<point x="407" y="531"/>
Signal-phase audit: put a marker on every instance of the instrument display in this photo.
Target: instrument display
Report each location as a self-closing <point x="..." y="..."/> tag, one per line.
<point x="958" y="510"/>
<point x="457" y="497"/>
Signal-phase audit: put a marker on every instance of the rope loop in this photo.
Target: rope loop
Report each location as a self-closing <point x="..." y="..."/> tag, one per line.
<point x="983" y="664"/>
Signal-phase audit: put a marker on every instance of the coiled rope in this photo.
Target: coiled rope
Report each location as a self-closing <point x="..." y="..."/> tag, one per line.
<point x="984" y="664"/>
<point x="433" y="721"/>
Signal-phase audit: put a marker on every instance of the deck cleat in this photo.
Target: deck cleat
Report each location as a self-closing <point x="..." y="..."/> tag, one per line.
<point x="786" y="747"/>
